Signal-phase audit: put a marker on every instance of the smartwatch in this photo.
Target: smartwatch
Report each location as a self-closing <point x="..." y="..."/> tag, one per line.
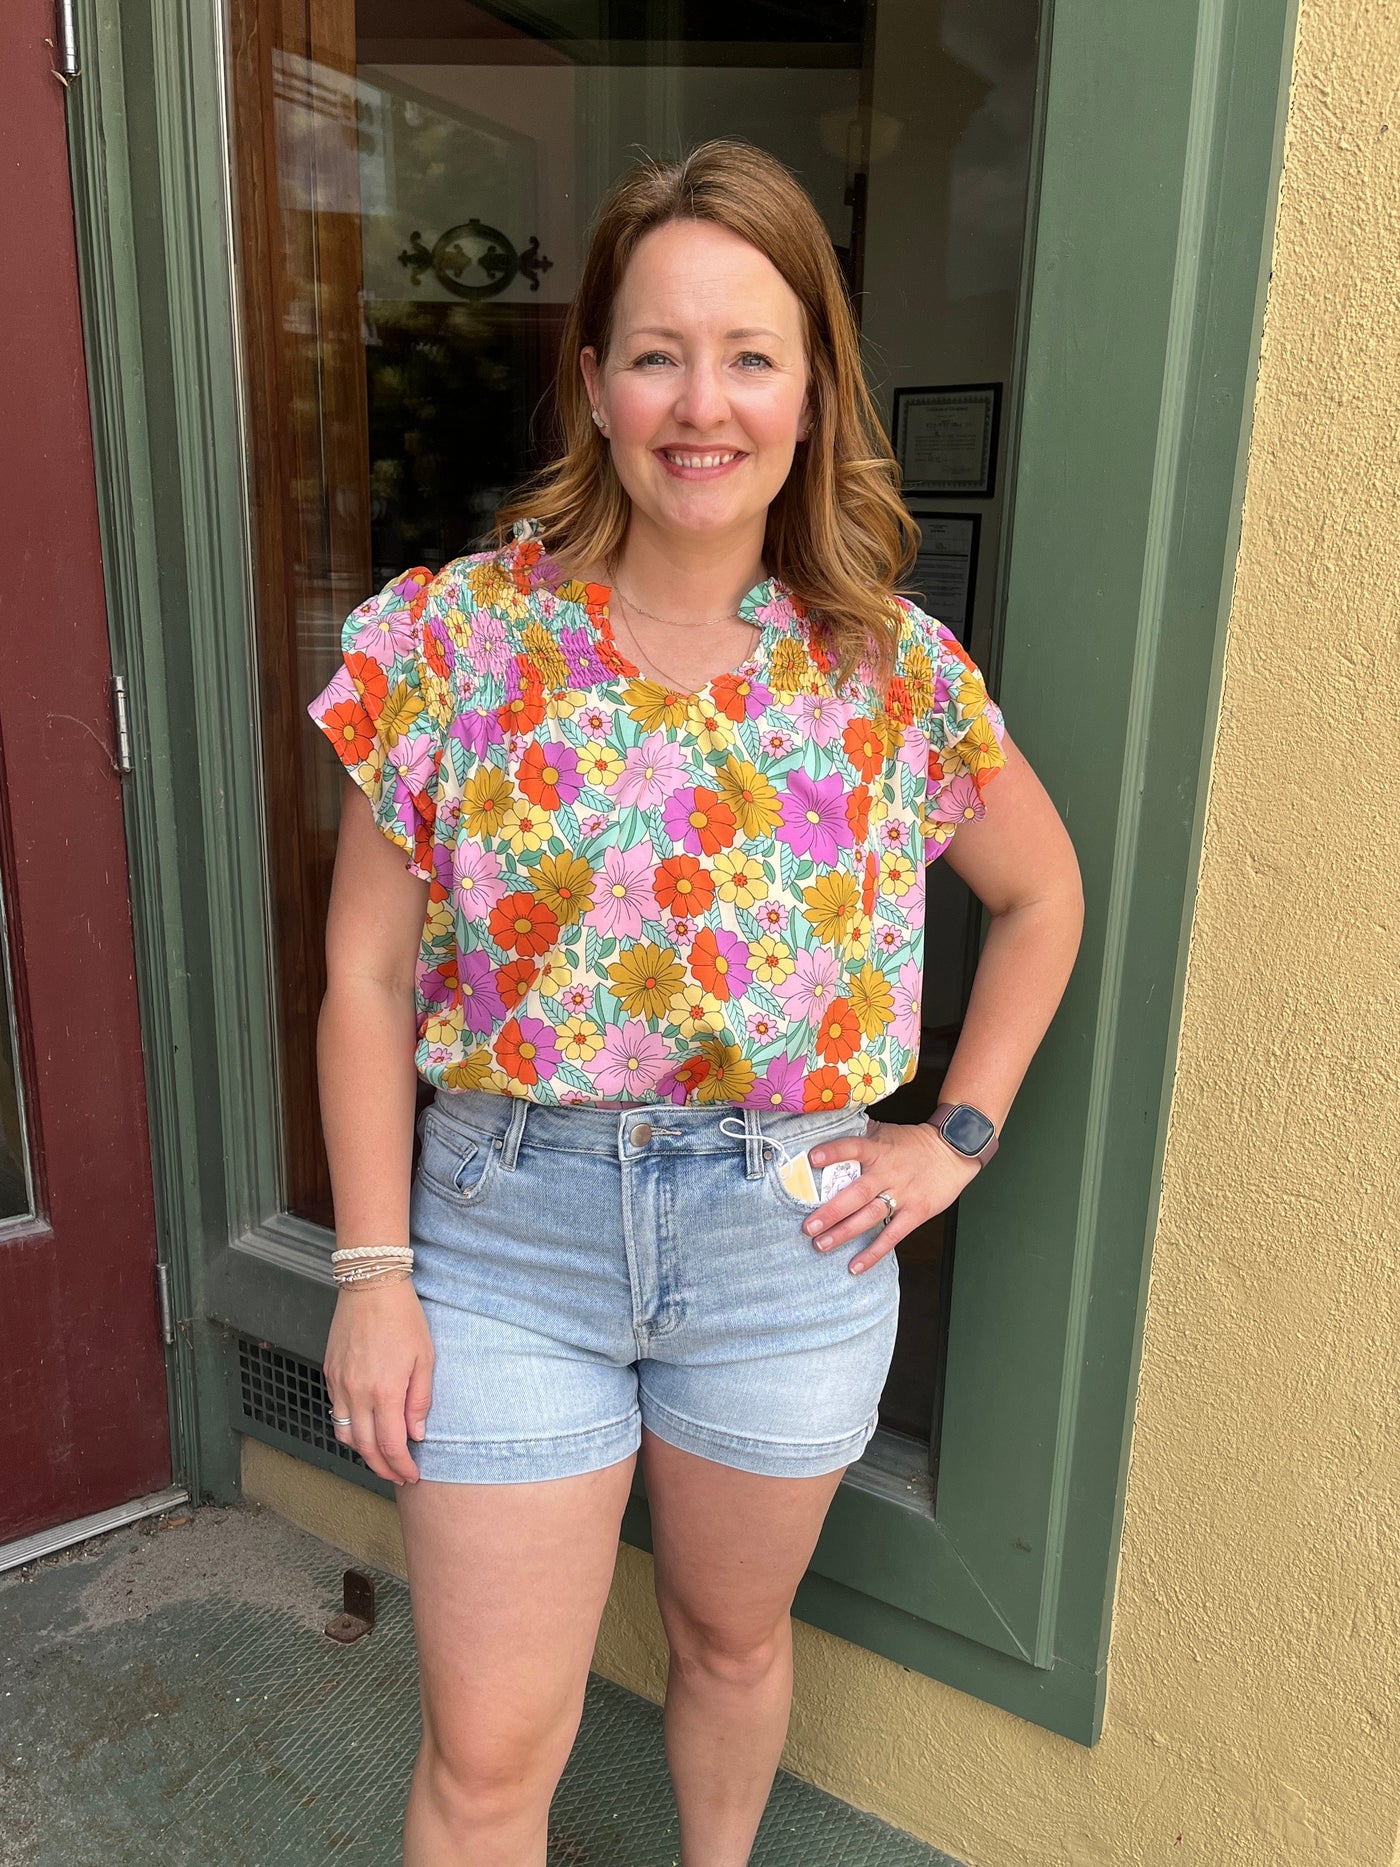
<point x="966" y="1130"/>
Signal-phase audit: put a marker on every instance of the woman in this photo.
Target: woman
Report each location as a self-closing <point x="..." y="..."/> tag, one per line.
<point x="670" y="761"/>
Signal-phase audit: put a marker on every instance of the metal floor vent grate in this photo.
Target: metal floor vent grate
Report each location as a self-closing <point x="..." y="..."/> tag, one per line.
<point x="288" y="1394"/>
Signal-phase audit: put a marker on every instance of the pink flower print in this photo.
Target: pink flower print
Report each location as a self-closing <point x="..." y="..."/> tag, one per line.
<point x="812" y="986"/>
<point x="894" y="833"/>
<point x="622" y="893"/>
<point x="908" y="996"/>
<point x="581" y="657"/>
<point x="477" y="880"/>
<point x="595" y="722"/>
<point x="762" y="1027"/>
<point x="775" y="743"/>
<point x="888" y="940"/>
<point x="651" y="771"/>
<point x="592" y="826"/>
<point x="478" y="732"/>
<point x="489" y="642"/>
<point x="940" y="689"/>
<point x="771" y="916"/>
<point x="821" y="718"/>
<point x="577" y="1000"/>
<point x="914" y="751"/>
<point x="781" y="1088"/>
<point x="631" y="1060"/>
<point x="412" y="760"/>
<point x="959" y="801"/>
<point x="681" y="929"/>
<point x="482" y="1004"/>
<point x="777" y="609"/>
<point x="389" y="633"/>
<point x="814" y="817"/>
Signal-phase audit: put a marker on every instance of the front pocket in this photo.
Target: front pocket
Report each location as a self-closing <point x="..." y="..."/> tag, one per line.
<point x="455" y="1162"/>
<point x="799" y="1145"/>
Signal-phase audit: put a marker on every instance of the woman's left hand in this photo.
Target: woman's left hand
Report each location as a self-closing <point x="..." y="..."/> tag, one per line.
<point x="909" y="1161"/>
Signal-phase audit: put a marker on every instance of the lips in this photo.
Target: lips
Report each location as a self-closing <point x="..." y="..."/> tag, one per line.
<point x="691" y="461"/>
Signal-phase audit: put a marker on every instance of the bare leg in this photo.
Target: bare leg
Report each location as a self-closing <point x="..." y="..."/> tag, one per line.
<point x="508" y="1583"/>
<point x="730" y="1549"/>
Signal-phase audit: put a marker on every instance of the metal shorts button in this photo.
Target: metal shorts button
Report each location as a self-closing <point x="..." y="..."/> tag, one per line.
<point x="640" y="1134"/>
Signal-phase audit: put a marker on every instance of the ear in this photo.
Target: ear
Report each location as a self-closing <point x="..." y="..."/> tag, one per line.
<point x="588" y="363"/>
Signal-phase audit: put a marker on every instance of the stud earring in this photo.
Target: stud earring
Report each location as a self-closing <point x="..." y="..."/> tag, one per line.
<point x="599" y="419"/>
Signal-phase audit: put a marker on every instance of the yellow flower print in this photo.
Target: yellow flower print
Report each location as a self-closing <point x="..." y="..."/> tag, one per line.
<point x="694" y="1011"/>
<point x="488" y="583"/>
<point x="918" y="678"/>
<point x="459" y="626"/>
<point x="896" y="873"/>
<point x="972" y="695"/>
<point x="832" y="902"/>
<point x="790" y="669"/>
<point x="440" y="922"/>
<point x="572" y="592"/>
<point x="731" y="1074"/>
<point x="546" y="654"/>
<point x="580" y="1039"/>
<point x="525" y="826"/>
<point x="646" y="977"/>
<point x="936" y="832"/>
<point x="739" y="877"/>
<point x="711" y="730"/>
<point x="565" y="884"/>
<point x="564" y="704"/>
<point x="443" y="1026"/>
<point x="555" y="973"/>
<point x="977" y="750"/>
<point x="770" y="960"/>
<point x="474" y="1071"/>
<point x="750" y="797"/>
<point x="401" y="709"/>
<point x="866" y="1077"/>
<point x="653" y="706"/>
<point x="872" y="1000"/>
<point x="599" y="764"/>
<point x="487" y="798"/>
<point x="513" y="603"/>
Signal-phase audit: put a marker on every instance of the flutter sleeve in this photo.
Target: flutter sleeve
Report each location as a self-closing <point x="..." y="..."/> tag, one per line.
<point x="387" y="710"/>
<point x="961" y="722"/>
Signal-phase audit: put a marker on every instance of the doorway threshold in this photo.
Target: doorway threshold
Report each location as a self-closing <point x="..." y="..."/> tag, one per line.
<point x="64" y="1535"/>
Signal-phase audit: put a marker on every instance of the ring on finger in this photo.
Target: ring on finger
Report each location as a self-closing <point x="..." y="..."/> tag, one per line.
<point x="335" y="1418"/>
<point x="891" y="1205"/>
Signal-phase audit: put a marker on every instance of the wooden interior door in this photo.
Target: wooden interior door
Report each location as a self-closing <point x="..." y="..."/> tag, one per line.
<point x="82" y="1372"/>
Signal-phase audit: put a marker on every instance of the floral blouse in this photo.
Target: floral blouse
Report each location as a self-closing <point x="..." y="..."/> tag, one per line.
<point x="645" y="895"/>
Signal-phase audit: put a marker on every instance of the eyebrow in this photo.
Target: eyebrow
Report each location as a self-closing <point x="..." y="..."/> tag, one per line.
<point x="751" y="330"/>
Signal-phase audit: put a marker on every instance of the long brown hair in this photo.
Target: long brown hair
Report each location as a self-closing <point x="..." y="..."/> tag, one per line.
<point x="837" y="533"/>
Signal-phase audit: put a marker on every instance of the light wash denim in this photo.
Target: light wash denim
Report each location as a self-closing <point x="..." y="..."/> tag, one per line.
<point x="585" y="1270"/>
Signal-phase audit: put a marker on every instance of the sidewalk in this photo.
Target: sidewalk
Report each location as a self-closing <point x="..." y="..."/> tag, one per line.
<point x="167" y="1694"/>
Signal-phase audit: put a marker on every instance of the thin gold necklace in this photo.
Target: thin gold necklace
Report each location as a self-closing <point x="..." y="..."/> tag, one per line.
<point x="677" y="687"/>
<point x="671" y="622"/>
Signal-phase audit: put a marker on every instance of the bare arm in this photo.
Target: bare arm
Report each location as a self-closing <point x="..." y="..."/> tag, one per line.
<point x="379" y="1354"/>
<point x="1019" y="862"/>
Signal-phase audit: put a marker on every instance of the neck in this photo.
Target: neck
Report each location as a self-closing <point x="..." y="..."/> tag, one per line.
<point x="681" y="575"/>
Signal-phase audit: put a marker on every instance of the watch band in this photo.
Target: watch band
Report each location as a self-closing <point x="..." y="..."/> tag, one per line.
<point x="940" y="1118"/>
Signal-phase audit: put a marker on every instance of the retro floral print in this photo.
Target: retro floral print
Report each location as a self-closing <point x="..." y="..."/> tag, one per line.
<point x="649" y="895"/>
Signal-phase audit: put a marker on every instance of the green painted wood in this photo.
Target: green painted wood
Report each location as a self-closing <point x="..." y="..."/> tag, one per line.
<point x="1160" y="141"/>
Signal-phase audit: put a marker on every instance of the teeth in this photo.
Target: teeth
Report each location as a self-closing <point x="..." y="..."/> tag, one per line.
<point x="698" y="460"/>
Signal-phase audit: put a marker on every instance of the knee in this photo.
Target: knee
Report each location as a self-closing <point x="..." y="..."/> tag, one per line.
<point x="485" y="1775"/>
<point x="737" y="1656"/>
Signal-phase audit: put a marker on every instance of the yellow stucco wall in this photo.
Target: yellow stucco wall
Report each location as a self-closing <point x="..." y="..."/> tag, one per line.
<point x="1254" y="1695"/>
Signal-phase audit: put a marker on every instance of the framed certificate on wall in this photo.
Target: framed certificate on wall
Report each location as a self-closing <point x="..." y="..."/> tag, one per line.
<point x="945" y="571"/>
<point x="945" y="439"/>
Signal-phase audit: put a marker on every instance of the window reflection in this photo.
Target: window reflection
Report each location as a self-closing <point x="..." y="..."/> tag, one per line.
<point x="414" y="183"/>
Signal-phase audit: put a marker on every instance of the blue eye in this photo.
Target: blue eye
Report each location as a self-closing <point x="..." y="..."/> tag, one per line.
<point x="649" y="356"/>
<point x="758" y="357"/>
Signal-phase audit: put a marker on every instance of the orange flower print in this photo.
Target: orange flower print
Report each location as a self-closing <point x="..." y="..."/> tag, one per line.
<point x="840" y="1035"/>
<point x="897" y="703"/>
<point x="699" y="820"/>
<point x="549" y="775"/>
<point x="867" y="892"/>
<point x="514" y="981"/>
<point x="525" y="923"/>
<point x="825" y="1089"/>
<point x="865" y="746"/>
<point x="689" y="1076"/>
<point x="858" y="812"/>
<point x="370" y="680"/>
<point x="682" y="886"/>
<point x="350" y="729"/>
<point x="733" y="694"/>
<point x="524" y="713"/>
<point x="719" y="961"/>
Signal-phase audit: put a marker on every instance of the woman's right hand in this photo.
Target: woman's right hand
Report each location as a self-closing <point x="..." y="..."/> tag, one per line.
<point x="379" y="1373"/>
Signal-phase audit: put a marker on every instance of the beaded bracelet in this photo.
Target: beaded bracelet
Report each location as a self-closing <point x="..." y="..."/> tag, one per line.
<point x="358" y="1264"/>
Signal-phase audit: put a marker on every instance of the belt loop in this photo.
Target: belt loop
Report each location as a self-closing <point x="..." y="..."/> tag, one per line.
<point x="515" y="1128"/>
<point x="753" y="1144"/>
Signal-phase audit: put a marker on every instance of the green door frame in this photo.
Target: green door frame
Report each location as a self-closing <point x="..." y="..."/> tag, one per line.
<point x="1159" y="139"/>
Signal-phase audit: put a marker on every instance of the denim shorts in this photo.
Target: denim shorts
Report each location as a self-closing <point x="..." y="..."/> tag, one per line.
<point x="585" y="1271"/>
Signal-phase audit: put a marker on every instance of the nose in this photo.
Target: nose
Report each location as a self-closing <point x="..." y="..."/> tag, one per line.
<point x="702" y="402"/>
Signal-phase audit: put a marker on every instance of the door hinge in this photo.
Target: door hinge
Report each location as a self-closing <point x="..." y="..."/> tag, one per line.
<point x="122" y="722"/>
<point x="167" y="1314"/>
<point x="67" y="47"/>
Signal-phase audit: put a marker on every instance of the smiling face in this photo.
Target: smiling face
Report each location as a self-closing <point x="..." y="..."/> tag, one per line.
<point x="703" y="390"/>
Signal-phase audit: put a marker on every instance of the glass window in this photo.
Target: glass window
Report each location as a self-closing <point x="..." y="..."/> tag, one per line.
<point x="415" y="179"/>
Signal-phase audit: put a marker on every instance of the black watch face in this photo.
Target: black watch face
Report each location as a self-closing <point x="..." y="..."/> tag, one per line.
<point x="967" y="1129"/>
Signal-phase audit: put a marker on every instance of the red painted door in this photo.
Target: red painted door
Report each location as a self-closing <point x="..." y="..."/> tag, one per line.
<point x="82" y="1373"/>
